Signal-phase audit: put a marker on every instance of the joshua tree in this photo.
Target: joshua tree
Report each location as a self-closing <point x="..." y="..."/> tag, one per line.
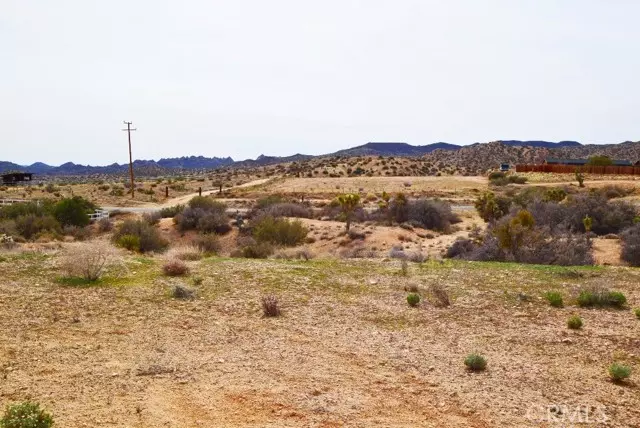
<point x="348" y="203"/>
<point x="579" y="177"/>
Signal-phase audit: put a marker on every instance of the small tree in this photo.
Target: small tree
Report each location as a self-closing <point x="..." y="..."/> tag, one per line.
<point x="579" y="177"/>
<point x="348" y="203"/>
<point x="490" y="207"/>
<point x="600" y="161"/>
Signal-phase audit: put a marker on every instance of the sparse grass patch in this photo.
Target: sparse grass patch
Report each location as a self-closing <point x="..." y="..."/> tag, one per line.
<point x="619" y="372"/>
<point x="554" y="298"/>
<point x="574" y="322"/>
<point x="475" y="362"/>
<point x="185" y="253"/>
<point x="601" y="297"/>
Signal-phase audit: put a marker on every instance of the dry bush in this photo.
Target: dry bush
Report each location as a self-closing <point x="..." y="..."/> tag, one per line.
<point x="440" y="295"/>
<point x="185" y="253"/>
<point x="208" y="243"/>
<point x="105" y="225"/>
<point x="182" y="292"/>
<point x="175" y="267"/>
<point x="357" y="251"/>
<point x="89" y="260"/>
<point x="631" y="245"/>
<point x="152" y="218"/>
<point x="296" y="254"/>
<point x="270" y="307"/>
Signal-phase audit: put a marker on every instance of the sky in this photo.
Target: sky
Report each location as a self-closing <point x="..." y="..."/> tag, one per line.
<point x="242" y="78"/>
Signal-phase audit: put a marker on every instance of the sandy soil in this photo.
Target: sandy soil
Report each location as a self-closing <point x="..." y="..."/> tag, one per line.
<point x="347" y="351"/>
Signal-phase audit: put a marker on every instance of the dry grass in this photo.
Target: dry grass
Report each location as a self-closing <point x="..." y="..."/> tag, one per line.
<point x="89" y="260"/>
<point x="185" y="253"/>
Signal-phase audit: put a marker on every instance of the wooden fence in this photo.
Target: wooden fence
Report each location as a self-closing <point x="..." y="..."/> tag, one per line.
<point x="587" y="169"/>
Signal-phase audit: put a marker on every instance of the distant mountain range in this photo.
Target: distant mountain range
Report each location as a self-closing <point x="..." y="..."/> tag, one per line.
<point x="450" y="152"/>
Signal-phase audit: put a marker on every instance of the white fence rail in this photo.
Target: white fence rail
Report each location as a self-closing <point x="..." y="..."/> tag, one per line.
<point x="99" y="214"/>
<point x="4" y="202"/>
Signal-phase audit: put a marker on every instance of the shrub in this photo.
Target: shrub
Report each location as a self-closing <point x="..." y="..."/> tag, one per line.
<point x="574" y="322"/>
<point x="73" y="212"/>
<point x="460" y="248"/>
<point x="105" y="225"/>
<point x="152" y="217"/>
<point x="475" y="362"/>
<point x="636" y="311"/>
<point x="619" y="372"/>
<point x="270" y="307"/>
<point x="89" y="260"/>
<point x="129" y="242"/>
<point x="78" y="233"/>
<point x="404" y="267"/>
<point x="348" y="202"/>
<point x="601" y="297"/>
<point x="207" y="204"/>
<point x="175" y="267"/>
<point x="182" y="292"/>
<point x="210" y="219"/>
<point x="431" y="214"/>
<point x="357" y="251"/>
<point x="554" y="298"/>
<point x="208" y="243"/>
<point x="490" y="207"/>
<point x="170" y="212"/>
<point x="287" y="209"/>
<point x="630" y="239"/>
<point x="250" y="249"/>
<point x="441" y="296"/>
<point x="148" y="236"/>
<point x="413" y="299"/>
<point x="31" y="225"/>
<point x="26" y="415"/>
<point x="279" y="231"/>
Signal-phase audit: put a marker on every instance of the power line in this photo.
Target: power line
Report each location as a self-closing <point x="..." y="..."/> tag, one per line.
<point x="129" y="129"/>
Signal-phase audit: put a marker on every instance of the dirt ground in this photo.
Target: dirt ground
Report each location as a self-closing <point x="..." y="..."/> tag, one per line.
<point x="347" y="350"/>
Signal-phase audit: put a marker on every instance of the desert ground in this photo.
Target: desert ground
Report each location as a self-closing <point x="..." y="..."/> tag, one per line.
<point x="347" y="349"/>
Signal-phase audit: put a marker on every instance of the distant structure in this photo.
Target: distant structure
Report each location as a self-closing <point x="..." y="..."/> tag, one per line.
<point x="15" y="178"/>
<point x="504" y="167"/>
<point x="582" y="162"/>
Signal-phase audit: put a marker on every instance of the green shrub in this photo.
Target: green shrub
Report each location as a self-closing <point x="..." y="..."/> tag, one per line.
<point x="413" y="299"/>
<point x="475" y="362"/>
<point x="207" y="204"/>
<point x="129" y="242"/>
<point x="148" y="236"/>
<point x="490" y="207"/>
<point x="279" y="231"/>
<point x="637" y="312"/>
<point x="170" y="212"/>
<point x="619" y="372"/>
<point x="254" y="251"/>
<point x="602" y="298"/>
<point x="73" y="211"/>
<point x="554" y="298"/>
<point x="575" y="322"/>
<point x="31" y="226"/>
<point x="26" y="415"/>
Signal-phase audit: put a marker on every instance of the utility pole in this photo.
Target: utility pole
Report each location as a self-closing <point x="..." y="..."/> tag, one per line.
<point x="129" y="129"/>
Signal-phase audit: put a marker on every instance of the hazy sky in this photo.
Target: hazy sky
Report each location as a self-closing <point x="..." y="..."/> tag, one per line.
<point x="244" y="77"/>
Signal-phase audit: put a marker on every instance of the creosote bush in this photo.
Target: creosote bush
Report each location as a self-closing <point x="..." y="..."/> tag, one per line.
<point x="270" y="307"/>
<point x="574" y="322"/>
<point x="413" y="299"/>
<point x="279" y="231"/>
<point x="475" y="362"/>
<point x="26" y="415"/>
<point x="619" y="372"/>
<point x="175" y="267"/>
<point x="554" y="298"/>
<point x="148" y="237"/>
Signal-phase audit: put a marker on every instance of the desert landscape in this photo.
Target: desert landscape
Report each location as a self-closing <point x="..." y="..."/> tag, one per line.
<point x="255" y="306"/>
